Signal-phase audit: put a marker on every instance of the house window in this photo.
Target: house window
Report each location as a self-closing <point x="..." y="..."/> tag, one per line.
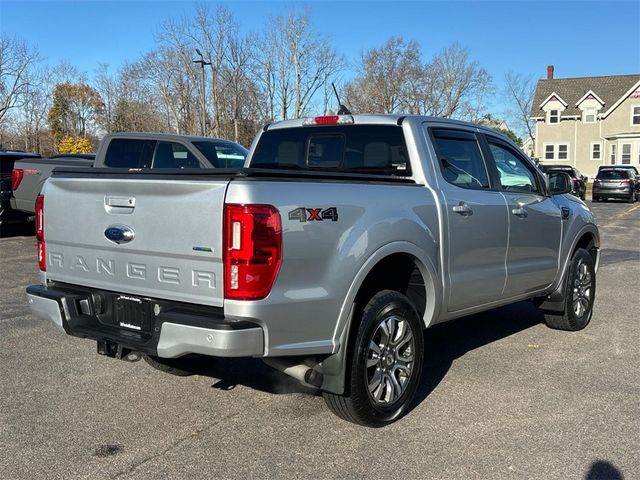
<point x="563" y="152"/>
<point x="596" y="151"/>
<point x="626" y="154"/>
<point x="554" y="116"/>
<point x="589" y="115"/>
<point x="549" y="152"/>
<point x="635" y="115"/>
<point x="613" y="153"/>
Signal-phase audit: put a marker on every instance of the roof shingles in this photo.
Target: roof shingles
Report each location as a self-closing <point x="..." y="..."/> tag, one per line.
<point x="610" y="89"/>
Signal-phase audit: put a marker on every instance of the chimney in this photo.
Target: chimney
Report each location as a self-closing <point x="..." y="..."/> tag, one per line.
<point x="549" y="72"/>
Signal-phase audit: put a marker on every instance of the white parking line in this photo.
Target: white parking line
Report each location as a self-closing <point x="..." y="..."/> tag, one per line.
<point x="627" y="211"/>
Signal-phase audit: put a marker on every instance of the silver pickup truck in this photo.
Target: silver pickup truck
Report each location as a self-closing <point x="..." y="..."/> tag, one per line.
<point x="327" y="255"/>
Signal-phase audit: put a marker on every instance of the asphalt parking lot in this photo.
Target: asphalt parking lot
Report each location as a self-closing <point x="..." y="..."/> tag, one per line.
<point x="502" y="396"/>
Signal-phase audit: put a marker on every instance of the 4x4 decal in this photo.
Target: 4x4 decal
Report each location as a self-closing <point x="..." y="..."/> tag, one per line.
<point x="314" y="214"/>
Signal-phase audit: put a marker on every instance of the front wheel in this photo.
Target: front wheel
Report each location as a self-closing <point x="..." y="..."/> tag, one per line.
<point x="384" y="370"/>
<point x="580" y="293"/>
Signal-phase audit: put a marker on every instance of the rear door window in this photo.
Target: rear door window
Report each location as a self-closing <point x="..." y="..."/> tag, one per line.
<point x="222" y="154"/>
<point x="375" y="149"/>
<point x="460" y="159"/>
<point x="129" y="153"/>
<point x="174" y="155"/>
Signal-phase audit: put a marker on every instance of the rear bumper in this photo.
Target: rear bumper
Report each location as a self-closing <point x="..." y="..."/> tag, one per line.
<point x="178" y="329"/>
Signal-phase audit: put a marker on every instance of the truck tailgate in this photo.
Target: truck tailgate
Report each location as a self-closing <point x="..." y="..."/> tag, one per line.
<point x="176" y="224"/>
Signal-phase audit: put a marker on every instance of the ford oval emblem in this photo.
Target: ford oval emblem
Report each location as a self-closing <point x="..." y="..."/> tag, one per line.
<point x="119" y="233"/>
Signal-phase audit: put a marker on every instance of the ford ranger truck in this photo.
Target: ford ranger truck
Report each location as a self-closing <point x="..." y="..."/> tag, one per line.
<point x="327" y="255"/>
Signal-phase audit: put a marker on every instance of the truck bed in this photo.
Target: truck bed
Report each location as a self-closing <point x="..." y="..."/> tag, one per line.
<point x="34" y="174"/>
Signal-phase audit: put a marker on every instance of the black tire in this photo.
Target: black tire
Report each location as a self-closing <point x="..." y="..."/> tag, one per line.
<point x="572" y="320"/>
<point x="595" y="199"/>
<point x="174" y="366"/>
<point x="632" y="198"/>
<point x="358" y="404"/>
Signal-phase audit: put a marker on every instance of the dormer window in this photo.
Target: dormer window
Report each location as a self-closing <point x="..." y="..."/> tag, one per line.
<point x="635" y="115"/>
<point x="553" y="116"/>
<point x="589" y="115"/>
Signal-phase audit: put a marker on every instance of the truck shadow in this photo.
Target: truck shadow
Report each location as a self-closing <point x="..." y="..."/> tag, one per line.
<point x="443" y="344"/>
<point x="23" y="229"/>
<point x="446" y="342"/>
<point x="250" y="372"/>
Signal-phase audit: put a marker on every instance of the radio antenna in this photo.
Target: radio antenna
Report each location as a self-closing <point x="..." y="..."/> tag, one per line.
<point x="342" y="110"/>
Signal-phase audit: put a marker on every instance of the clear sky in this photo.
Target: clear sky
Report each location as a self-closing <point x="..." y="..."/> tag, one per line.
<point x="581" y="38"/>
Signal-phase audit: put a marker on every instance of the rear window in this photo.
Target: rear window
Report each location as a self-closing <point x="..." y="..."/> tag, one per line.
<point x="222" y="154"/>
<point x="376" y="149"/>
<point x="129" y="153"/>
<point x="613" y="174"/>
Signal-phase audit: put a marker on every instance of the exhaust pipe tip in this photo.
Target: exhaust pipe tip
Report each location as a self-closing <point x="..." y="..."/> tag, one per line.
<point x="305" y="374"/>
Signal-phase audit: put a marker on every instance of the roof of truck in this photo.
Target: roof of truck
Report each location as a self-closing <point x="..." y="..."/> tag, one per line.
<point x="166" y="136"/>
<point x="379" y="119"/>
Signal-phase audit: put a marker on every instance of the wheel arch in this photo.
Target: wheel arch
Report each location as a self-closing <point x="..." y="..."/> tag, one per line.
<point x="587" y="238"/>
<point x="397" y="256"/>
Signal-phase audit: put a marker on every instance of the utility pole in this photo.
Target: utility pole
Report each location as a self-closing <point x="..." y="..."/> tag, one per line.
<point x="203" y="123"/>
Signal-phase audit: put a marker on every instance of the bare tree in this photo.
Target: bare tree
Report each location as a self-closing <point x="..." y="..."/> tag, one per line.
<point x="293" y="63"/>
<point x="106" y="84"/>
<point x="457" y="86"/>
<point x="16" y="57"/>
<point x="520" y="89"/>
<point x="393" y="78"/>
<point x="32" y="115"/>
<point x="386" y="77"/>
<point x="264" y="73"/>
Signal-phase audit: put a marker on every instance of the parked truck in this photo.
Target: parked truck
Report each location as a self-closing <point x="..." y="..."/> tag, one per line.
<point x="128" y="150"/>
<point x="7" y="160"/>
<point x="342" y="239"/>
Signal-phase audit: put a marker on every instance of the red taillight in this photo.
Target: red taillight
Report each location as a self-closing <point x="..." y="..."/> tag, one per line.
<point x="626" y="181"/>
<point x="16" y="178"/>
<point x="252" y="250"/>
<point x="42" y="248"/>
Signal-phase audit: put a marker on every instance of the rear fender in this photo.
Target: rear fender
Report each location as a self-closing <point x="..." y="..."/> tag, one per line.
<point x="334" y="367"/>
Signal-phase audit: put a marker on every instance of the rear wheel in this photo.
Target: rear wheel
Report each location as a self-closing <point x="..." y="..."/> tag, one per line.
<point x="579" y="294"/>
<point x="632" y="198"/>
<point x="385" y="367"/>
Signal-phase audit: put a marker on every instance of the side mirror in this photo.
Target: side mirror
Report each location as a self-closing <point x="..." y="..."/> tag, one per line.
<point x="559" y="183"/>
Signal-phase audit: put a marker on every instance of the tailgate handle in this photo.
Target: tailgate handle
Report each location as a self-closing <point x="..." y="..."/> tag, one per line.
<point x="119" y="204"/>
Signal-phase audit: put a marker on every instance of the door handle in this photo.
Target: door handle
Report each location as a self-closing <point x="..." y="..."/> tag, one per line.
<point x="463" y="209"/>
<point x="519" y="212"/>
<point x="119" y="205"/>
